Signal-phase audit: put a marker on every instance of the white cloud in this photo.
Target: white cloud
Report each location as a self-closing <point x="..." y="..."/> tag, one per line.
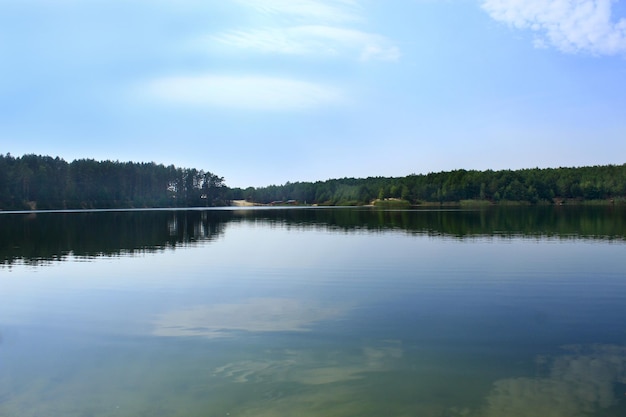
<point x="245" y="92"/>
<point x="306" y="27"/>
<point x="312" y="39"/>
<point x="309" y="28"/>
<point x="569" y="25"/>
<point x="325" y="10"/>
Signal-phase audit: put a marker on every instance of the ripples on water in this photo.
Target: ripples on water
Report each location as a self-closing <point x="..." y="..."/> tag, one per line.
<point x="329" y="312"/>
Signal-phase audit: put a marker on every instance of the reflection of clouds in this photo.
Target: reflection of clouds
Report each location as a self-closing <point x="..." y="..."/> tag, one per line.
<point x="578" y="383"/>
<point x="251" y="371"/>
<point x="381" y="357"/>
<point x="253" y="315"/>
<point x="308" y="369"/>
<point x="329" y="400"/>
<point x="304" y="383"/>
<point x="286" y="370"/>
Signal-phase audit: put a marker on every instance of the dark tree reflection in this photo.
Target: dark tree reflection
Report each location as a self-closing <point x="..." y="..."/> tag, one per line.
<point x="49" y="236"/>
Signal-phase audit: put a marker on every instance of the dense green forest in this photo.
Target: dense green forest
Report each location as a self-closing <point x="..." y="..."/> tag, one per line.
<point x="43" y="182"/>
<point x="526" y="185"/>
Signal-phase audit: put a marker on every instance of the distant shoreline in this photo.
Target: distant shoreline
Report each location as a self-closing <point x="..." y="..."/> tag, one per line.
<point x="33" y="182"/>
<point x="243" y="203"/>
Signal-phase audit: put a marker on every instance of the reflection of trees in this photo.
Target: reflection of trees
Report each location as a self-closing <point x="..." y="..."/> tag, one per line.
<point x="50" y="236"/>
<point x="582" y="221"/>
<point x="54" y="236"/>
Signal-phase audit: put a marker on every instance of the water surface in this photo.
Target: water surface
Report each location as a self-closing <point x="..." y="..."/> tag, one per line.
<point x="314" y="312"/>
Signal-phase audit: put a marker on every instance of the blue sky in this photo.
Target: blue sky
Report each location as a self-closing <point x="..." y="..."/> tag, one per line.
<point x="268" y="91"/>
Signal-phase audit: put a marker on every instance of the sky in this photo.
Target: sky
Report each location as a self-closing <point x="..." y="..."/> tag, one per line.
<point x="266" y="92"/>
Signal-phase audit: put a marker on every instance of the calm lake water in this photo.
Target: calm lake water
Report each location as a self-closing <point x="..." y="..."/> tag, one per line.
<point x="314" y="312"/>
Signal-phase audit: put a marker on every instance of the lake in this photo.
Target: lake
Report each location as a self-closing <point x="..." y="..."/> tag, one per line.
<point x="505" y="312"/>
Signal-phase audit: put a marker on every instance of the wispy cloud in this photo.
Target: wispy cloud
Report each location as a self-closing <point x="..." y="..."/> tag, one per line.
<point x="308" y="27"/>
<point x="324" y="10"/>
<point x="244" y="92"/>
<point x="570" y="25"/>
<point x="312" y="39"/>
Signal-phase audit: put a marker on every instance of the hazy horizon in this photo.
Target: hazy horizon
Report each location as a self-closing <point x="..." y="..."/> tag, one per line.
<point x="266" y="92"/>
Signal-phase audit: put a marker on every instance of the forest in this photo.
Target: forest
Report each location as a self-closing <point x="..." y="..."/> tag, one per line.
<point x="43" y="182"/>
<point x="531" y="186"/>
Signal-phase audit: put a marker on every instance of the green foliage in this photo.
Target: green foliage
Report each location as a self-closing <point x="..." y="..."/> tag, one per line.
<point x="474" y="203"/>
<point x="52" y="183"/>
<point x="528" y="186"/>
<point x="392" y="203"/>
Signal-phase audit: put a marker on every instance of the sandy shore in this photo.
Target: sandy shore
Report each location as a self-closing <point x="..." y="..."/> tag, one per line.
<point x="243" y="203"/>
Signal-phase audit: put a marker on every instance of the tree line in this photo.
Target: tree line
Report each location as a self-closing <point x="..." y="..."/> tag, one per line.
<point x="548" y="185"/>
<point x="43" y="182"/>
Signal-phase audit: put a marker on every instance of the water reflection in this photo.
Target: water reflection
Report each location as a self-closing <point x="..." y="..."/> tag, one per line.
<point x="578" y="383"/>
<point x="252" y="315"/>
<point x="305" y="382"/>
<point x="314" y="312"/>
<point x="43" y="237"/>
<point x="48" y="237"/>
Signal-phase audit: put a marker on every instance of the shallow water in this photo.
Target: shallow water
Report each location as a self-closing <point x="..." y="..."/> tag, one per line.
<point x="314" y="312"/>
